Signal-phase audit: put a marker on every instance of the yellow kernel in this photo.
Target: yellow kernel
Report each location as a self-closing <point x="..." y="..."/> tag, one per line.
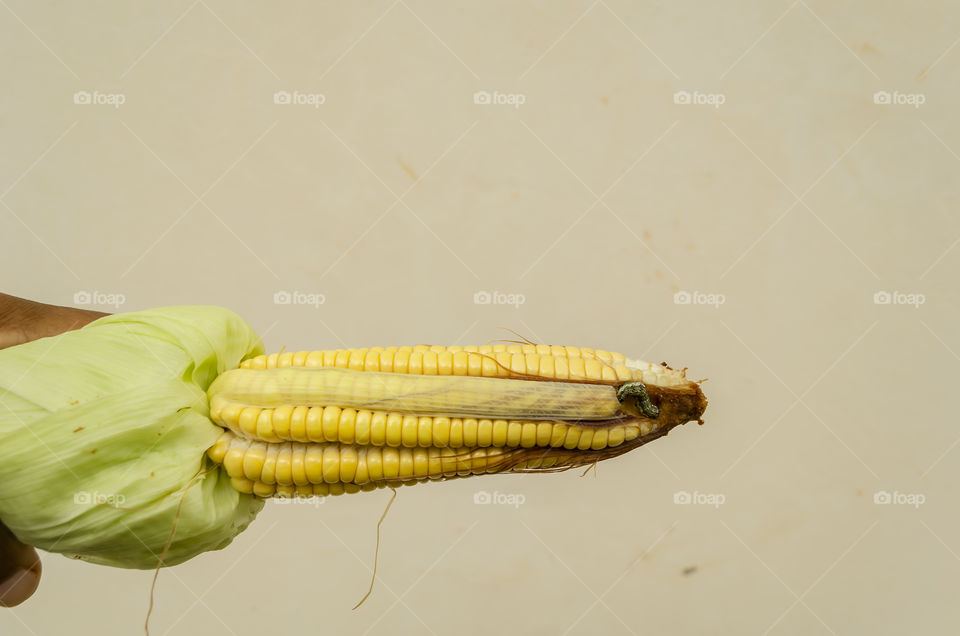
<point x="544" y="433"/>
<point x="233" y="461"/>
<point x="313" y="463"/>
<point x="409" y="430"/>
<point x="562" y="367"/>
<point x="405" y="470"/>
<point x="586" y="439"/>
<point x="528" y="435"/>
<point x="599" y="439"/>
<point x="559" y="436"/>
<point x="459" y="363"/>
<point x="484" y="432"/>
<point x="371" y="361"/>
<point x="577" y="368"/>
<point x="547" y="367"/>
<point x="401" y="360"/>
<point x="394" y="429"/>
<point x="499" y="432"/>
<point x="253" y="460"/>
<point x="284" y="466"/>
<point x="357" y="357"/>
<point x="242" y="484"/>
<point x="456" y="432"/>
<point x="314" y="424"/>
<point x="441" y="431"/>
<point x="444" y="363"/>
<point x="298" y="424"/>
<point x="269" y="471"/>
<point x="361" y="433"/>
<point x="331" y="423"/>
<point x="280" y="422"/>
<point x="378" y="428"/>
<point x="386" y="361"/>
<point x="265" y="426"/>
<point x="572" y="438"/>
<point x="424" y="434"/>
<point x="331" y="463"/>
<point x="348" y="463"/>
<point x="391" y="463"/>
<point x="415" y="366"/>
<point x="616" y="436"/>
<point x="346" y="426"/>
<point x="421" y="462"/>
<point x="593" y="370"/>
<point x="248" y="420"/>
<point x="469" y="432"/>
<point x="298" y="468"/>
<point x="262" y="489"/>
<point x="514" y="430"/>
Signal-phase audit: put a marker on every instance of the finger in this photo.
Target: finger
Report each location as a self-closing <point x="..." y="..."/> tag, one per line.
<point x="19" y="569"/>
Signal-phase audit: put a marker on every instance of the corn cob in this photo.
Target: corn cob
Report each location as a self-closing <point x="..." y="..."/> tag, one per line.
<point x="329" y="422"/>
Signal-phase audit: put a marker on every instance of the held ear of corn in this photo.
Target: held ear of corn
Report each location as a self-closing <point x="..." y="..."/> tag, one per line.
<point x="112" y="433"/>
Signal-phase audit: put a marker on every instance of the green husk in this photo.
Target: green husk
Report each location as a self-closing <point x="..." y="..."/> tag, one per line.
<point x="103" y="429"/>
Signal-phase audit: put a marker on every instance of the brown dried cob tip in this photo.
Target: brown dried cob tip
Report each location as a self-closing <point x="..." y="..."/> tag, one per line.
<point x="329" y="422"/>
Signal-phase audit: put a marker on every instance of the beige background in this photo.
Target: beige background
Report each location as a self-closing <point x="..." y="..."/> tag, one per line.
<point x="597" y="199"/>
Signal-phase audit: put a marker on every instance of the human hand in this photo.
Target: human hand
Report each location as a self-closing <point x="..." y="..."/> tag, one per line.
<point x="20" y="322"/>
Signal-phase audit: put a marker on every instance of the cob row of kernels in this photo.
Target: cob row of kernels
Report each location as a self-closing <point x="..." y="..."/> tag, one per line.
<point x="381" y="428"/>
<point x="265" y="468"/>
<point x="546" y="361"/>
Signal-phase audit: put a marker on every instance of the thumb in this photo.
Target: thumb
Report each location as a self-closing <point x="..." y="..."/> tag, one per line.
<point x="19" y="569"/>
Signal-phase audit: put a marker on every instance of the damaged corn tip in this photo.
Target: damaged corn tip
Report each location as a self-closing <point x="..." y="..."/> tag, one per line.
<point x="348" y="420"/>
